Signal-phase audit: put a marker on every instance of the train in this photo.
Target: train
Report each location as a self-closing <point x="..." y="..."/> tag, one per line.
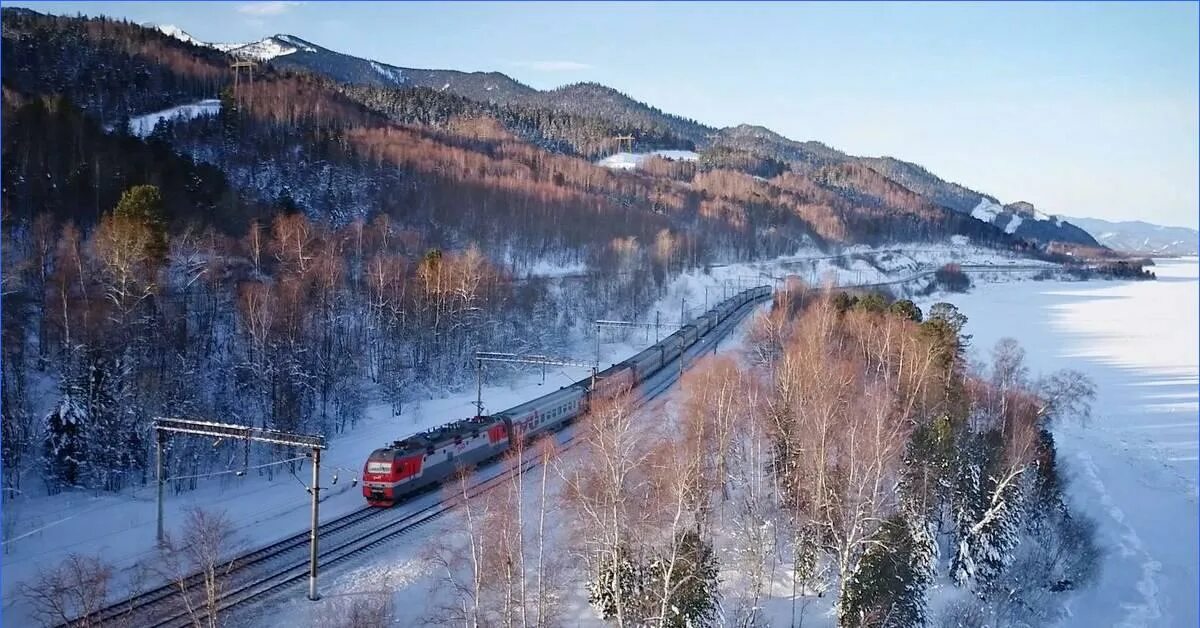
<point x="425" y="460"/>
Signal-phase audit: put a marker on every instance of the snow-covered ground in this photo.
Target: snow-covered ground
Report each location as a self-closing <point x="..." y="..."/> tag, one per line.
<point x="43" y="531"/>
<point x="1134" y="465"/>
<point x="403" y="571"/>
<point x="121" y="528"/>
<point x="630" y="161"/>
<point x="143" y="126"/>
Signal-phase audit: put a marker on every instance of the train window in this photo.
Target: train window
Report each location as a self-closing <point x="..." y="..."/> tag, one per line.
<point x="379" y="467"/>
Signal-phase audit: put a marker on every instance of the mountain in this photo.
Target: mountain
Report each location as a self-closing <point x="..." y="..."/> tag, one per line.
<point x="832" y="196"/>
<point x="594" y="99"/>
<point x="291" y="52"/>
<point x="753" y="149"/>
<point x="174" y="31"/>
<point x="920" y="180"/>
<point x="1023" y="220"/>
<point x="1142" y="238"/>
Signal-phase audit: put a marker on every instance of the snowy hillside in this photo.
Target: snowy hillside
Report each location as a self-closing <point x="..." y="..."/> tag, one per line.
<point x="631" y="161"/>
<point x="271" y="47"/>
<point x="142" y="126"/>
<point x="262" y="50"/>
<point x="1025" y="221"/>
<point x="176" y="32"/>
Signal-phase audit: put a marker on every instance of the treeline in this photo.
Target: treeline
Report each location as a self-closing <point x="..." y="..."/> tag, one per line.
<point x="62" y="163"/>
<point x="588" y="136"/>
<point x="111" y="68"/>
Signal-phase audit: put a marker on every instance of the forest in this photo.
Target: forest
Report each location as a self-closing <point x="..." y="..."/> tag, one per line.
<point x="847" y="461"/>
<point x="315" y="246"/>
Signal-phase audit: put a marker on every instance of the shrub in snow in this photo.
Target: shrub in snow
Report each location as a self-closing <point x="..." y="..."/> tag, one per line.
<point x="951" y="278"/>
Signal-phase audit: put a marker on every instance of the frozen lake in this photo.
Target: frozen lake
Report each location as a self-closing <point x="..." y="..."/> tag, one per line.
<point x="1133" y="466"/>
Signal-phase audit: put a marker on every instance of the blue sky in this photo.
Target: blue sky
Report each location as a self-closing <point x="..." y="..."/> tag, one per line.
<point x="1081" y="109"/>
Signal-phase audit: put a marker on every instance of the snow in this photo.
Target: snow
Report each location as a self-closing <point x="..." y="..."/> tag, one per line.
<point x="1133" y="467"/>
<point x="544" y="268"/>
<point x="299" y="43"/>
<point x="44" y="530"/>
<point x="986" y="210"/>
<point x="1013" y="224"/>
<point x="178" y="33"/>
<point x="392" y="74"/>
<point x="142" y="126"/>
<point x="229" y="47"/>
<point x="631" y="161"/>
<point x="405" y="572"/>
<point x="269" y="48"/>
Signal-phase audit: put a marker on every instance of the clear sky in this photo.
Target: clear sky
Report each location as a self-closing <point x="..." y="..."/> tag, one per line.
<point x="1082" y="109"/>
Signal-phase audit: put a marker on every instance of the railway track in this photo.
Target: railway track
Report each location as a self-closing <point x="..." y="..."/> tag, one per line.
<point x="286" y="562"/>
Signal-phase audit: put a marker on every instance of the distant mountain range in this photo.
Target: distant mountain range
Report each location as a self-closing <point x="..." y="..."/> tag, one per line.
<point x="1142" y="238"/>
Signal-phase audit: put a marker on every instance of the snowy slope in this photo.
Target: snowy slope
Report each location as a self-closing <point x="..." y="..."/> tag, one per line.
<point x="270" y="48"/>
<point x="178" y="33"/>
<point x="986" y="210"/>
<point x="262" y="50"/>
<point x="631" y="161"/>
<point x="142" y="126"/>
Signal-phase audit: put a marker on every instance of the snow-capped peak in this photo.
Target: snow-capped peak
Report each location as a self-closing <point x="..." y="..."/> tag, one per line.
<point x="262" y="50"/>
<point x="171" y="30"/>
<point x="269" y="48"/>
<point x="295" y="41"/>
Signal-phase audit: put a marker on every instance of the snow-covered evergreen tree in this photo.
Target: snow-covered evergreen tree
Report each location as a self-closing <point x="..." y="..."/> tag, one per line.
<point x="888" y="588"/>
<point x="988" y="516"/>
<point x="64" y="446"/>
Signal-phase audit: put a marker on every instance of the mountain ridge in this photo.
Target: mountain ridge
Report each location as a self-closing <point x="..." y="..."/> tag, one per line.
<point x="1139" y="237"/>
<point x="591" y="97"/>
<point x="291" y="52"/>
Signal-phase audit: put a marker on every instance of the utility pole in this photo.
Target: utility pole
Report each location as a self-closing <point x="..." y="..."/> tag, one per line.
<point x="705" y="298"/>
<point x="478" y="387"/>
<point x="626" y="140"/>
<point x="656" y="324"/>
<point x="275" y="437"/>
<point x="597" y="345"/>
<point x="682" y="312"/>
<point x="158" y="462"/>
<point x="316" y="506"/>
<point x="237" y="67"/>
